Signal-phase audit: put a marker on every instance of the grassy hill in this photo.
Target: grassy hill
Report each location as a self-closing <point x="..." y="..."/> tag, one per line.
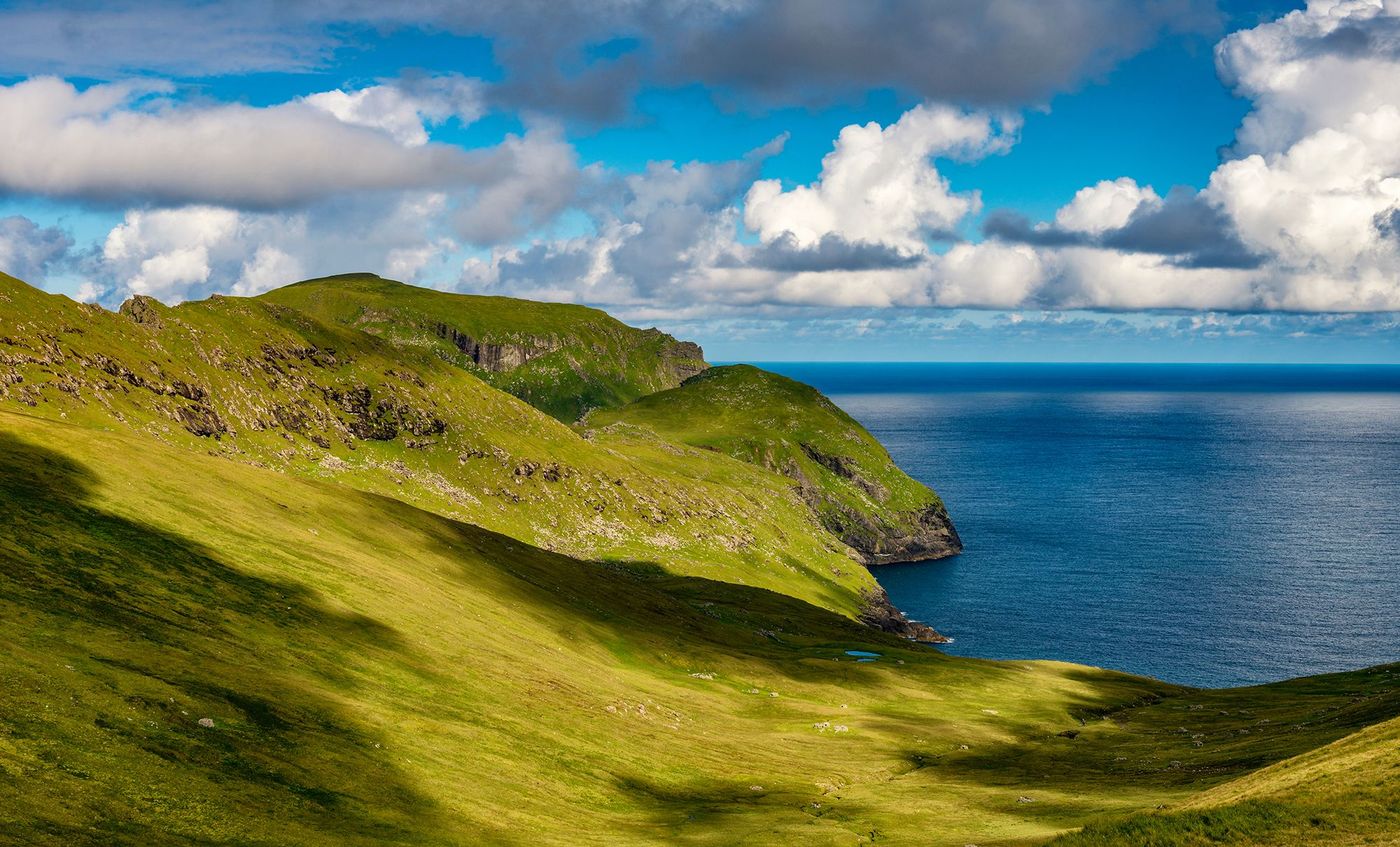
<point x="560" y="358"/>
<point x="840" y="470"/>
<point x="202" y="651"/>
<point x="269" y="579"/>
<point x="265" y="384"/>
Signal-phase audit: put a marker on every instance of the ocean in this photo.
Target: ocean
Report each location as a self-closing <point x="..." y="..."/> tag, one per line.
<point x="1212" y="525"/>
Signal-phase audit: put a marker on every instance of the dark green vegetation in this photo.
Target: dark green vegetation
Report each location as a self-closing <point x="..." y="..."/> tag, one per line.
<point x="382" y="651"/>
<point x="562" y="359"/>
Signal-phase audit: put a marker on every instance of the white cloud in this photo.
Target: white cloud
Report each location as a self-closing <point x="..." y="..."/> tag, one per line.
<point x="879" y="184"/>
<point x="190" y="252"/>
<point x="1104" y="206"/>
<point x="128" y="143"/>
<point x="1303" y="216"/>
<point x="404" y="109"/>
<point x="269" y="268"/>
<point x="112" y="142"/>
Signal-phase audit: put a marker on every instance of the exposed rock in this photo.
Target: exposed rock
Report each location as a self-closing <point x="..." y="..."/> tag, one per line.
<point x="496" y="357"/>
<point x="684" y="359"/>
<point x="929" y="534"/>
<point x="143" y="310"/>
<point x="202" y="421"/>
<point x="845" y="468"/>
<point x="880" y="613"/>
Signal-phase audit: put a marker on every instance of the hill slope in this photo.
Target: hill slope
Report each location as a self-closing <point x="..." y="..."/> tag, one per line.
<point x="841" y="471"/>
<point x="265" y="384"/>
<point x="201" y="651"/>
<point x="560" y="358"/>
<point x="1345" y="793"/>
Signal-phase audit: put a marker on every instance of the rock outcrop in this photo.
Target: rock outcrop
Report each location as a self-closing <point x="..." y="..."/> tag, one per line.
<point x="924" y="535"/>
<point x="496" y="358"/>
<point x="880" y="613"/>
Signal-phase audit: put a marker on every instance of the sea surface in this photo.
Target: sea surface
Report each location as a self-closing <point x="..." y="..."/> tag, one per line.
<point x="1208" y="525"/>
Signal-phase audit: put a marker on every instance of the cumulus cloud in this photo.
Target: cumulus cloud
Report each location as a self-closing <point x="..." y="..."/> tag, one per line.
<point x="190" y="252"/>
<point x="28" y="250"/>
<point x="879" y="184"/>
<point x="1104" y="206"/>
<point x="1302" y="215"/>
<point x="1120" y="215"/>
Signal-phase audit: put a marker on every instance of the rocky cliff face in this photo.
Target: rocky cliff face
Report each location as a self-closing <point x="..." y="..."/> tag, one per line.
<point x="684" y="359"/>
<point x="878" y="537"/>
<point x="497" y="358"/>
<point x="923" y="535"/>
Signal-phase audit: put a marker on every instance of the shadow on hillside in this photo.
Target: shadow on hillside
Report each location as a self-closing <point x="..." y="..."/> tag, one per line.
<point x="123" y="637"/>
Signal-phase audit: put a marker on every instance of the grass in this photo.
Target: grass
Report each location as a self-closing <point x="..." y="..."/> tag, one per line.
<point x="377" y="673"/>
<point x="1347" y="792"/>
<point x="269" y="577"/>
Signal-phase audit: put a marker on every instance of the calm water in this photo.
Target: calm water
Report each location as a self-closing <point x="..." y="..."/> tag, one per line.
<point x="1202" y="524"/>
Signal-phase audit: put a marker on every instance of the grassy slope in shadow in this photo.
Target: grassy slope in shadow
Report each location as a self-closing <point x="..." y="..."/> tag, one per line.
<point x="380" y="674"/>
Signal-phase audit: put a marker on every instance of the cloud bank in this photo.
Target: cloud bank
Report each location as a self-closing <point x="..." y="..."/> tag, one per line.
<point x="1302" y="214"/>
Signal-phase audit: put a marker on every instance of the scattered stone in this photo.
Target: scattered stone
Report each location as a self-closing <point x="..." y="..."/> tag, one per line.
<point x="772" y="694"/>
<point x="207" y="723"/>
<point x="755" y="788"/>
<point x="1069" y="733"/>
<point x="840" y="728"/>
<point x="703" y="675"/>
<point x="964" y="747"/>
<point x="1024" y="799"/>
<point x="754" y="691"/>
<point x="991" y="711"/>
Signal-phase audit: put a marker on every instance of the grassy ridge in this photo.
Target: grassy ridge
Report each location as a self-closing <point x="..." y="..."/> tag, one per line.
<point x="841" y="470"/>
<point x="265" y="384"/>
<point x="376" y="673"/>
<point x="574" y="358"/>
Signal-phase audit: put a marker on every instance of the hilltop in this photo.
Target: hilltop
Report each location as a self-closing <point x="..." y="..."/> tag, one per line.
<point x="562" y="359"/>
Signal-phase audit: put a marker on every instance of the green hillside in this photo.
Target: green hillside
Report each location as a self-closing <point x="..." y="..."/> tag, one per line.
<point x="371" y="673"/>
<point x="269" y="578"/>
<point x="560" y="358"/>
<point x="1345" y="793"/>
<point x="841" y="471"/>
<point x="267" y="385"/>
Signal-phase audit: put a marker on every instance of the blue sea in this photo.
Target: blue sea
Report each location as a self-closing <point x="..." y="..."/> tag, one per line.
<point x="1213" y="525"/>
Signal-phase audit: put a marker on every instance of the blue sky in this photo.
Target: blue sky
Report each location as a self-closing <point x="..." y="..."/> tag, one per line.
<point x="949" y="180"/>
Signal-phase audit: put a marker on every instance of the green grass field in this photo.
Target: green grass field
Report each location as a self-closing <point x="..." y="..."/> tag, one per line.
<point x="212" y="641"/>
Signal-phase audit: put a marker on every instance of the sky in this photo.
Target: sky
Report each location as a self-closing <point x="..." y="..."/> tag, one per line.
<point x="936" y="180"/>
